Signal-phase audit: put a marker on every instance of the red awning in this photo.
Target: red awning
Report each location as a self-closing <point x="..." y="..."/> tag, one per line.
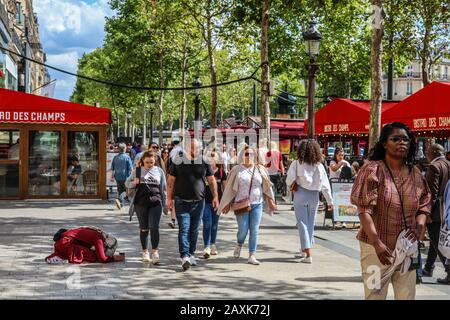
<point x="427" y="109"/>
<point x="345" y="116"/>
<point x="19" y="107"/>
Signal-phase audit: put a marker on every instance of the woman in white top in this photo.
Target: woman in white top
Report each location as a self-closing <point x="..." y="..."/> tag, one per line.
<point x="337" y="163"/>
<point x="310" y="177"/>
<point x="241" y="186"/>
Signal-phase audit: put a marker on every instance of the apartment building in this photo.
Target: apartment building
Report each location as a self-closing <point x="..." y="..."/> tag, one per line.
<point x="19" y="32"/>
<point x="410" y="81"/>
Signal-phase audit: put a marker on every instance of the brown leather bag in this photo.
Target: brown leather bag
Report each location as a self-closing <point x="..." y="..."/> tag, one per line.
<point x="244" y="205"/>
<point x="294" y="185"/>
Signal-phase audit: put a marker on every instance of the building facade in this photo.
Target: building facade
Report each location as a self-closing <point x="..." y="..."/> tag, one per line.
<point x="19" y="32"/>
<point x="411" y="80"/>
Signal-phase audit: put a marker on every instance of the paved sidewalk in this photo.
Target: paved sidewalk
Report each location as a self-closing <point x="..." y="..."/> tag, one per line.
<point x="27" y="227"/>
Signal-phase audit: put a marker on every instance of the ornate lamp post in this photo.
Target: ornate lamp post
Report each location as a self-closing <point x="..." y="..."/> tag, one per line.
<point x="312" y="42"/>
<point x="197" y="84"/>
<point x="152" y="110"/>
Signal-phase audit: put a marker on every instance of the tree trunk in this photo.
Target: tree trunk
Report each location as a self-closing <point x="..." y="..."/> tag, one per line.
<point x="376" y="74"/>
<point x="212" y="69"/>
<point x="183" y="85"/>
<point x="162" y="83"/>
<point x="425" y="56"/>
<point x="265" y="77"/>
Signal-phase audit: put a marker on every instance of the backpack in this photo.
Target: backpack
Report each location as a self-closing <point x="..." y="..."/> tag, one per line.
<point x="346" y="173"/>
<point x="110" y="243"/>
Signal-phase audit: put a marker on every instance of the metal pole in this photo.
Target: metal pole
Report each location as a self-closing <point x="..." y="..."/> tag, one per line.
<point x="255" y="104"/>
<point x="312" y="67"/>
<point x="151" y="125"/>
<point x="144" y="132"/>
<point x="197" y="108"/>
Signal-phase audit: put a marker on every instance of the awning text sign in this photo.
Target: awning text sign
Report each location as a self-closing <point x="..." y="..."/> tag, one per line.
<point x="33" y="116"/>
<point x="431" y="123"/>
<point x="342" y="127"/>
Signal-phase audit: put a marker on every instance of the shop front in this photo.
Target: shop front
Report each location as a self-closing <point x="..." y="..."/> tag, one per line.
<point x="51" y="148"/>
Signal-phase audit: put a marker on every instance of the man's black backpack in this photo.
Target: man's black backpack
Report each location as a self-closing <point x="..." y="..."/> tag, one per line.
<point x="346" y="173"/>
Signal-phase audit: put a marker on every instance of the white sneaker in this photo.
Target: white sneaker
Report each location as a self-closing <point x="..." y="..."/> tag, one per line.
<point x="193" y="260"/>
<point x="118" y="204"/>
<point x="302" y="255"/>
<point x="237" y="251"/>
<point x="307" y="260"/>
<point x="185" y="263"/>
<point x="155" y="258"/>
<point x="214" y="250"/>
<point x="146" y="257"/>
<point x="56" y="260"/>
<point x="207" y="252"/>
<point x="252" y="260"/>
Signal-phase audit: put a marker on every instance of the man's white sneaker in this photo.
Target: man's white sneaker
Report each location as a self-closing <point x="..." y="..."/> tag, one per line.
<point x="146" y="257"/>
<point x="118" y="204"/>
<point x="207" y="253"/>
<point x="214" y="250"/>
<point x="185" y="263"/>
<point x="193" y="260"/>
<point x="307" y="260"/>
<point x="252" y="260"/>
<point x="237" y="251"/>
<point x="155" y="258"/>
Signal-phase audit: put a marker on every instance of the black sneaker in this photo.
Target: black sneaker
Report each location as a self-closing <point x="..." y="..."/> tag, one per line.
<point x="418" y="280"/>
<point x="426" y="273"/>
<point x="445" y="280"/>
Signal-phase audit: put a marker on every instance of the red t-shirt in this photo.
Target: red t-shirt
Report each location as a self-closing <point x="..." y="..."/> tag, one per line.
<point x="273" y="159"/>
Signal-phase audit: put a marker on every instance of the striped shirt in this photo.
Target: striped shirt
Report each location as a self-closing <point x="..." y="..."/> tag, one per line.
<point x="374" y="193"/>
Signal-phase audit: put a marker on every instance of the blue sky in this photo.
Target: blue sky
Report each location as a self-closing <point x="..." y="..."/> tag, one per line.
<point x="69" y="28"/>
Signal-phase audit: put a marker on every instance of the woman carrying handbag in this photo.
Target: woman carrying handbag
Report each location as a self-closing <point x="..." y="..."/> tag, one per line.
<point x="306" y="178"/>
<point x="247" y="188"/>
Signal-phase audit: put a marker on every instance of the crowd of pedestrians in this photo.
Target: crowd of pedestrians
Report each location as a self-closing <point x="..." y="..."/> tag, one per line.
<point x="396" y="200"/>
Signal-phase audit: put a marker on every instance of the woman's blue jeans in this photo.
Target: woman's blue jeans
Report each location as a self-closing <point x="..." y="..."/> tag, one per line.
<point x="210" y="225"/>
<point x="249" y="221"/>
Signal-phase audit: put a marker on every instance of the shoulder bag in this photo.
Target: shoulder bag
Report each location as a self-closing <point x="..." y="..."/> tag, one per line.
<point x="244" y="205"/>
<point x="294" y="186"/>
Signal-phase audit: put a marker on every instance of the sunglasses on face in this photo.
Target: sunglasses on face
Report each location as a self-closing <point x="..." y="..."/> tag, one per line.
<point x="247" y="154"/>
<point x="397" y="139"/>
<point x="155" y="147"/>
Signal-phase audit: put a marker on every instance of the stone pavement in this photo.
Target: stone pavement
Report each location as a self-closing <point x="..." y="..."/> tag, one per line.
<point x="27" y="227"/>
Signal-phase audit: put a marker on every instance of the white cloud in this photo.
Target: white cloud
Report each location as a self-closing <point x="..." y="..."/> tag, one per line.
<point x="69" y="28"/>
<point x="67" y="61"/>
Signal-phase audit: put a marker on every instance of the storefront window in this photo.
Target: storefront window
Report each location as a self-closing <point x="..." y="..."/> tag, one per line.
<point x="9" y="144"/>
<point x="44" y="169"/>
<point x="82" y="163"/>
<point x="9" y="180"/>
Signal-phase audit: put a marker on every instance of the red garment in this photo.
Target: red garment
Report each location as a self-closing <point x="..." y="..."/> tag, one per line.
<point x="273" y="159"/>
<point x="75" y="245"/>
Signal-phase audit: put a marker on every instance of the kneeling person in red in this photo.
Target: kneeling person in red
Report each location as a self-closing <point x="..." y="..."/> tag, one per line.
<point x="84" y="244"/>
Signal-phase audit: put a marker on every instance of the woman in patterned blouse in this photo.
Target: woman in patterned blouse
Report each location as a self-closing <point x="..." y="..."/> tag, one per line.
<point x="391" y="195"/>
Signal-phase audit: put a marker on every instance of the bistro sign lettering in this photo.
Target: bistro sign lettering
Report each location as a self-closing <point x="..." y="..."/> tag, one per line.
<point x="343" y="127"/>
<point x="431" y="123"/>
<point x="35" y="116"/>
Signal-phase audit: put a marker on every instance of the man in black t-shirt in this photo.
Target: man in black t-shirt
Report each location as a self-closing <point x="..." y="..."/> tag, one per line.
<point x="186" y="185"/>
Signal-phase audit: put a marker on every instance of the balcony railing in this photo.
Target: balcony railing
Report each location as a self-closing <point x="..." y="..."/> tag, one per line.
<point x="411" y="75"/>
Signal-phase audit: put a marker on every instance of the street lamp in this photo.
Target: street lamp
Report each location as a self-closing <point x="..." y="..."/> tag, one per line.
<point x="312" y="42"/>
<point x="152" y="109"/>
<point x="129" y="123"/>
<point x="197" y="84"/>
